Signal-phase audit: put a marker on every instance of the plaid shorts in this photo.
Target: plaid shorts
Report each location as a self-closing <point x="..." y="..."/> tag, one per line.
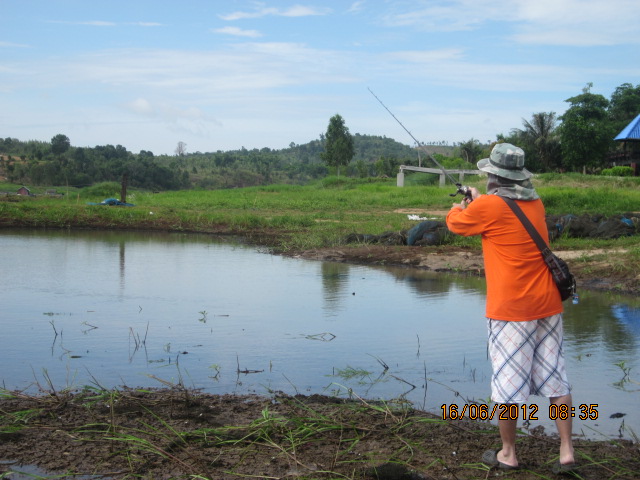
<point x="527" y="359"/>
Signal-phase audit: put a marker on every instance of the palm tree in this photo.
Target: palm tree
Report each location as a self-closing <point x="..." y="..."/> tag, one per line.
<point x="470" y="150"/>
<point x="540" y="135"/>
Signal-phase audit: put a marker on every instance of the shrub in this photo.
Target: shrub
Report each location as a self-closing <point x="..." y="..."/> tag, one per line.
<point x="618" y="172"/>
<point x="104" y="189"/>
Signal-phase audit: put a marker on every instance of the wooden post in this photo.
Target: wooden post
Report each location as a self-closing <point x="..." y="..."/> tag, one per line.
<point x="123" y="191"/>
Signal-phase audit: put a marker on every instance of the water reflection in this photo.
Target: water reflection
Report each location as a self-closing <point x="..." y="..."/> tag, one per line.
<point x="122" y="262"/>
<point x="629" y="317"/>
<point x="127" y="308"/>
<point x="596" y="318"/>
<point x="335" y="278"/>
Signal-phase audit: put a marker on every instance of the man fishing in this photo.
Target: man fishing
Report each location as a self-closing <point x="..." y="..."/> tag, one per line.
<point x="523" y="306"/>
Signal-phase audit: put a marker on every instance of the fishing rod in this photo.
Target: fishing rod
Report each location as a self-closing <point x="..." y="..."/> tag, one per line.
<point x="462" y="189"/>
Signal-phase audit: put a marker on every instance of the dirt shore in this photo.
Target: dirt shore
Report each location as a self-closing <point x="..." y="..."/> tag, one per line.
<point x="178" y="434"/>
<point x="594" y="275"/>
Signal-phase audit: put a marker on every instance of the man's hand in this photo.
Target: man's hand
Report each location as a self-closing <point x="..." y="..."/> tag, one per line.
<point x="466" y="200"/>
<point x="475" y="193"/>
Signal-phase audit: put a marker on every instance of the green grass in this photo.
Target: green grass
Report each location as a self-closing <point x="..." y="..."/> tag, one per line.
<point x="302" y="217"/>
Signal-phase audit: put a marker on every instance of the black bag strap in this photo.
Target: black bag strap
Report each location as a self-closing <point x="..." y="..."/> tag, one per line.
<point x="544" y="248"/>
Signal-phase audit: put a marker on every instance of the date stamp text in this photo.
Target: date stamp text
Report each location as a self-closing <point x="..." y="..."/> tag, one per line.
<point x="502" y="411"/>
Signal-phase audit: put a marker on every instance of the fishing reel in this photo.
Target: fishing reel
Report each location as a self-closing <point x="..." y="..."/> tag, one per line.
<point x="464" y="191"/>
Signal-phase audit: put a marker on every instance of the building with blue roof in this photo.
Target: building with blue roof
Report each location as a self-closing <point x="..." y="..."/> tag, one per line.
<point x="630" y="139"/>
<point x="630" y="133"/>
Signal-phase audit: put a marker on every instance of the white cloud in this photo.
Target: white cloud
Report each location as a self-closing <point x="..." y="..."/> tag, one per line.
<point x="578" y="22"/>
<point x="103" y="23"/>
<point x="540" y="22"/>
<point x="443" y="15"/>
<point x="197" y="77"/>
<point x="92" y="23"/>
<point x="141" y="106"/>
<point x="99" y="23"/>
<point x="13" y="45"/>
<point x="147" y="24"/>
<point x="302" y="11"/>
<point x="428" y="56"/>
<point x="205" y="74"/>
<point x="452" y="67"/>
<point x="356" y="6"/>
<point x="263" y="11"/>
<point x="187" y="119"/>
<point x="238" y="32"/>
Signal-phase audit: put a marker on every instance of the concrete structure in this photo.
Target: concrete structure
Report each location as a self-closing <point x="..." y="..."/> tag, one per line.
<point x="437" y="171"/>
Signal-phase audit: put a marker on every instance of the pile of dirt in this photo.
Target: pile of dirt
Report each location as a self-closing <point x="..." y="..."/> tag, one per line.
<point x="593" y="226"/>
<point x="185" y="434"/>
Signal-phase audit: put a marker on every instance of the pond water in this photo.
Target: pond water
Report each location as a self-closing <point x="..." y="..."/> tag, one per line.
<point x="113" y="309"/>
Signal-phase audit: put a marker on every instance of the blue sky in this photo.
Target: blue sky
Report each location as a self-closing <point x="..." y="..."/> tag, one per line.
<point x="221" y="75"/>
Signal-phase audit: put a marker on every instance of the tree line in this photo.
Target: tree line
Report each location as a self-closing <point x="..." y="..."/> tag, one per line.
<point x="579" y="140"/>
<point x="59" y="163"/>
<point x="582" y="138"/>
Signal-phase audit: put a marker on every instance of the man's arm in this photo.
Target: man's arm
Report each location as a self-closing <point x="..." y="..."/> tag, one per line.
<point x="465" y="218"/>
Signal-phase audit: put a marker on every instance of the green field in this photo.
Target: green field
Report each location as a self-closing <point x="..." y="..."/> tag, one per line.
<point x="308" y="216"/>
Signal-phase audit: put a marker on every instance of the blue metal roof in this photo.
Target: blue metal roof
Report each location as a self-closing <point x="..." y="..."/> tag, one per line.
<point x="631" y="131"/>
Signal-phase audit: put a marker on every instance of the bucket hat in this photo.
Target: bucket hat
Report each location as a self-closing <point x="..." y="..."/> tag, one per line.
<point x="506" y="161"/>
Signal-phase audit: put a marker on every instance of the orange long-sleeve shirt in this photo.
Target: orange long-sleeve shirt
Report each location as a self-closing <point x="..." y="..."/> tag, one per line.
<point x="519" y="284"/>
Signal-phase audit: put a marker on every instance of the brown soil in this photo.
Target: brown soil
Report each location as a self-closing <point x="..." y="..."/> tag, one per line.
<point x="178" y="434"/>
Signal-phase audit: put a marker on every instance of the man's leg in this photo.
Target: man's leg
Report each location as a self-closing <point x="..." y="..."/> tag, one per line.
<point x="550" y="379"/>
<point x="565" y="428"/>
<point x="511" y="349"/>
<point x="508" y="436"/>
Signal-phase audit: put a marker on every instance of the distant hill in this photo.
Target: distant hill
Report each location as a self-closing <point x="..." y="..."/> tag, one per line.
<point x="39" y="163"/>
<point x="368" y="148"/>
<point x="445" y="150"/>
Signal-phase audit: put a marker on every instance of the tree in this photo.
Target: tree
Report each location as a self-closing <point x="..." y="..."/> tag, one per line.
<point x="624" y="106"/>
<point x="338" y="144"/>
<point x="181" y="149"/>
<point x="470" y="150"/>
<point x="540" y="140"/>
<point x="585" y="133"/>
<point x="60" y="144"/>
<point x="362" y="168"/>
<point x="386" y="166"/>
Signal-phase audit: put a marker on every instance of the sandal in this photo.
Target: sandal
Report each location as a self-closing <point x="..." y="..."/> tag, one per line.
<point x="564" y="468"/>
<point x="490" y="457"/>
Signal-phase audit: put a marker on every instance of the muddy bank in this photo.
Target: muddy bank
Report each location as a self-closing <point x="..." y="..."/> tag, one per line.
<point x="184" y="434"/>
<point x="596" y="274"/>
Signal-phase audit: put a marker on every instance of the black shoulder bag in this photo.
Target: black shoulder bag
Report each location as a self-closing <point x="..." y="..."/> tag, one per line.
<point x="564" y="279"/>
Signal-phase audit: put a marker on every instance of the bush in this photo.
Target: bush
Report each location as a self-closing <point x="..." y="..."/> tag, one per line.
<point x="344" y="182"/>
<point x="421" y="179"/>
<point x="104" y="189"/>
<point x="618" y="172"/>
